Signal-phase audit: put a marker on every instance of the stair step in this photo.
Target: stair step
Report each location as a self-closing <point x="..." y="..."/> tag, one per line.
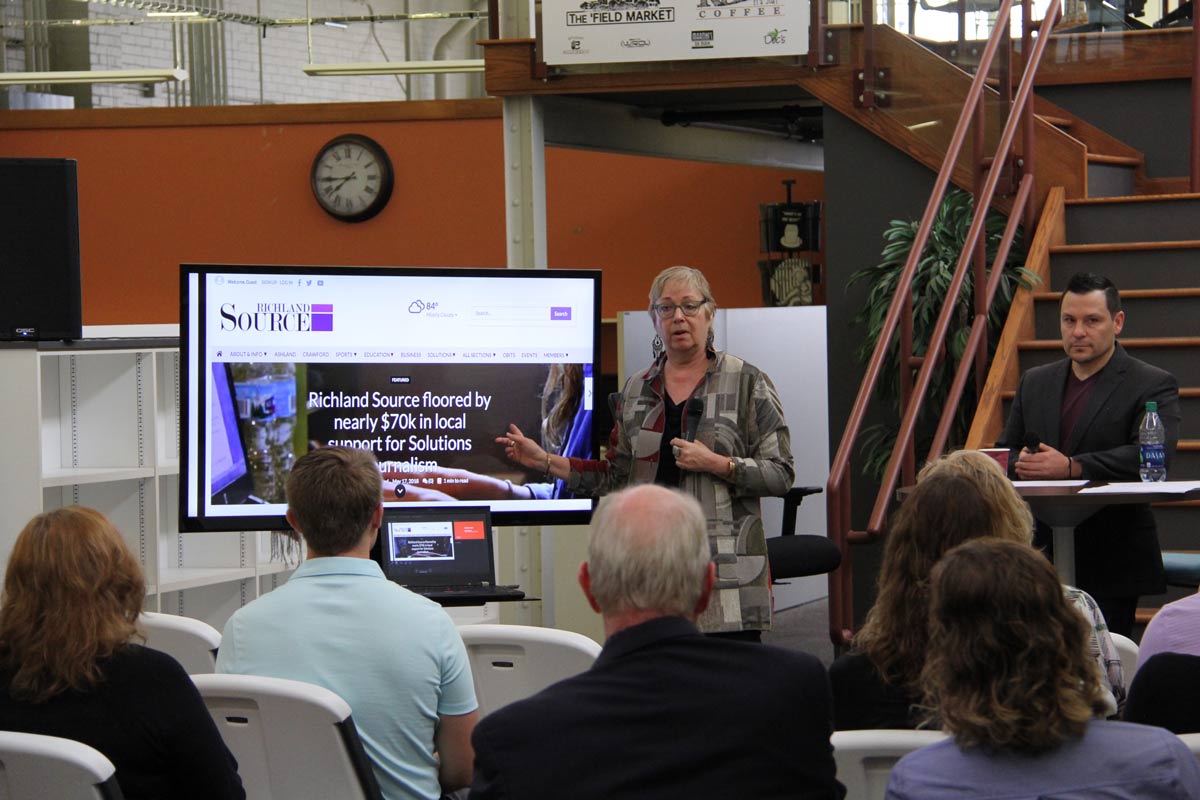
<point x="1125" y="247"/>
<point x="1111" y="178"/>
<point x="1130" y="294"/>
<point x="1189" y="409"/>
<point x="1148" y="312"/>
<point x="1129" y="344"/>
<point x="1058" y="122"/>
<point x="1178" y="355"/>
<point x="1131" y="219"/>
<point x="1130" y="265"/>
<point x="1124" y="161"/>
<point x="1179" y="504"/>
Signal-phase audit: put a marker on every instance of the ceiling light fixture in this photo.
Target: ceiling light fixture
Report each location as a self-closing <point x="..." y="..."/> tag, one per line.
<point x="395" y="67"/>
<point x="94" y="76"/>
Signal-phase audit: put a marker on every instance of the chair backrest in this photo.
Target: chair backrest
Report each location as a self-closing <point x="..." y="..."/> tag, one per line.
<point x="34" y="767"/>
<point x="1127" y="649"/>
<point x="292" y="740"/>
<point x="191" y="642"/>
<point x="1192" y="740"/>
<point x="865" y="758"/>
<point x="512" y="662"/>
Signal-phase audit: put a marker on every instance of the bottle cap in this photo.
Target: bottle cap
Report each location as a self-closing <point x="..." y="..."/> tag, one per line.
<point x="1152" y="406"/>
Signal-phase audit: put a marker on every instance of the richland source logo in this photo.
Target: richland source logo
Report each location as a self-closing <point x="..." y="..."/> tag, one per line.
<point x="278" y="317"/>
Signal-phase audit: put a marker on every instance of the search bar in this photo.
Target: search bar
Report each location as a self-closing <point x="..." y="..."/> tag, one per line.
<point x="501" y="315"/>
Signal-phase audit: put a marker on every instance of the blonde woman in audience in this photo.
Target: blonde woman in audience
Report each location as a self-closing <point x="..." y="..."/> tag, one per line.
<point x="1011" y="512"/>
<point x="1009" y="675"/>
<point x="960" y="497"/>
<point x="68" y="667"/>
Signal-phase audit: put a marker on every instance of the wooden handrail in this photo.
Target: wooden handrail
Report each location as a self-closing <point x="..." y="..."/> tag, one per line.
<point x="908" y="422"/>
<point x="899" y="312"/>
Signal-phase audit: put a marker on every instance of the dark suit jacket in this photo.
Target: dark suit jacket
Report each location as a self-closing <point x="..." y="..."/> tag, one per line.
<point x="1166" y="692"/>
<point x="1116" y="549"/>
<point x="666" y="712"/>
<point x="862" y="700"/>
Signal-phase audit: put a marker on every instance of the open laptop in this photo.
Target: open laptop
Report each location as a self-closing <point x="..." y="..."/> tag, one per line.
<point x="443" y="553"/>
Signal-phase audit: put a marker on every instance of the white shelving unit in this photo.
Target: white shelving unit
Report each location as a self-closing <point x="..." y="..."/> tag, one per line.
<point x="97" y="423"/>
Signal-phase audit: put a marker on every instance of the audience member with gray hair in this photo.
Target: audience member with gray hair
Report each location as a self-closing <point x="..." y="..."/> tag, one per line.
<point x="665" y="712"/>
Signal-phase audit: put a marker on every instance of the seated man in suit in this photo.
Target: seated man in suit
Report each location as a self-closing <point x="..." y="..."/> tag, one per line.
<point x="1080" y="415"/>
<point x="394" y="656"/>
<point x="665" y="712"/>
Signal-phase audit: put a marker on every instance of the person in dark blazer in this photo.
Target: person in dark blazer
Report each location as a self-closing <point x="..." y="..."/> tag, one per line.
<point x="1085" y="410"/>
<point x="1166" y="693"/>
<point x="665" y="712"/>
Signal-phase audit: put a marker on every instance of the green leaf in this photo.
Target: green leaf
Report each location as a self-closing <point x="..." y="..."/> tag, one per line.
<point x="931" y="281"/>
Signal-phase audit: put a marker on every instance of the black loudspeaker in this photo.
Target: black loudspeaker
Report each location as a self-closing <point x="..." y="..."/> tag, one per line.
<point x="39" y="250"/>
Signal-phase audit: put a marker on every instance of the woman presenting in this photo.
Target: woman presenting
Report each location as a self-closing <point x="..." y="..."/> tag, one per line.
<point x="705" y="422"/>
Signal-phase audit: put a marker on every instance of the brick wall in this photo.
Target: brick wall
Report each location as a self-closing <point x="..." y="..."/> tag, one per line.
<point x="266" y="67"/>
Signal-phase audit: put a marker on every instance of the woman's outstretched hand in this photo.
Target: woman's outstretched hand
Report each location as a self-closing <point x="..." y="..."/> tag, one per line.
<point x="520" y="448"/>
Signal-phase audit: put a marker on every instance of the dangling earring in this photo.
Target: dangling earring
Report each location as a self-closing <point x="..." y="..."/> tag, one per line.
<point x="656" y="346"/>
<point x="708" y="342"/>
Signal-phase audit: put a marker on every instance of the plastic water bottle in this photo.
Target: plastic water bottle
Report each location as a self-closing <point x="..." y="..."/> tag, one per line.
<point x="1152" y="457"/>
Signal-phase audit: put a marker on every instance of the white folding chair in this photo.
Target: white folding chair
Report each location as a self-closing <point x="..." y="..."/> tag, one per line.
<point x="292" y="740"/>
<point x="865" y="758"/>
<point x="191" y="642"/>
<point x="1192" y="740"/>
<point x="1127" y="649"/>
<point x="512" y="662"/>
<point x="35" y="767"/>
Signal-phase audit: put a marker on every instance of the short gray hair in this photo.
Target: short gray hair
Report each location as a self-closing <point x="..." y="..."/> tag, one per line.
<point x="648" y="551"/>
<point x="689" y="275"/>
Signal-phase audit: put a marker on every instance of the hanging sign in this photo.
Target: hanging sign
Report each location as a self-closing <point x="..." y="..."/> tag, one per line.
<point x="615" y="31"/>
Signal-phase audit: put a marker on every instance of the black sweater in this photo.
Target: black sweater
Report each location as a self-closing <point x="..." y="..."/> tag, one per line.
<point x="148" y="719"/>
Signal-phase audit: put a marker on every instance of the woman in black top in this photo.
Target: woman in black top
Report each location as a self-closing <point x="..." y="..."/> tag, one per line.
<point x="72" y="594"/>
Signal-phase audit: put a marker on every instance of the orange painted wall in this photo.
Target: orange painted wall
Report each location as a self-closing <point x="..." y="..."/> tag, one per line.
<point x="154" y="197"/>
<point x="632" y="216"/>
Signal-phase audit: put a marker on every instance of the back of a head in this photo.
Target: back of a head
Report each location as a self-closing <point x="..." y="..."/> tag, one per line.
<point x="940" y="512"/>
<point x="1008" y="514"/>
<point x="1008" y="667"/>
<point x="648" y="551"/>
<point x="332" y="493"/>
<point x="72" y="592"/>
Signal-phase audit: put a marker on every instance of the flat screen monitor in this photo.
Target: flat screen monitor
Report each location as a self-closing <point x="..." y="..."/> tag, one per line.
<point x="423" y="367"/>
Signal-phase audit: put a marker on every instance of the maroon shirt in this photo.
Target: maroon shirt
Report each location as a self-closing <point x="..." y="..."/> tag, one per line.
<point x="1075" y="398"/>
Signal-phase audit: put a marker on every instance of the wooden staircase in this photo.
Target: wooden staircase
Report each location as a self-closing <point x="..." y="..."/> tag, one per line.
<point x="1149" y="245"/>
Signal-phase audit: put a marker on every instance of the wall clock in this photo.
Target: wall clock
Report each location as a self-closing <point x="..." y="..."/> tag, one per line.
<point x="352" y="177"/>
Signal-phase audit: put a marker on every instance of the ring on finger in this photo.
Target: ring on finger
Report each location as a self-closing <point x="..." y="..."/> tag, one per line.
<point x="675" y="450"/>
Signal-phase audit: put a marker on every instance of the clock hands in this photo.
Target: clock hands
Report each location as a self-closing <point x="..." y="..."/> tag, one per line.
<point x="341" y="181"/>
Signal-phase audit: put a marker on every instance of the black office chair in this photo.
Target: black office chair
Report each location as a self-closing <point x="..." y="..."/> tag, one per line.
<point x="793" y="555"/>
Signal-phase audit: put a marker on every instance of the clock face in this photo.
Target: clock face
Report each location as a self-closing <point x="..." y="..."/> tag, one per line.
<point x="352" y="178"/>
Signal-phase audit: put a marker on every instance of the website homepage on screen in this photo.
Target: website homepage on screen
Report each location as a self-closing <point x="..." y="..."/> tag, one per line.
<point x="423" y="370"/>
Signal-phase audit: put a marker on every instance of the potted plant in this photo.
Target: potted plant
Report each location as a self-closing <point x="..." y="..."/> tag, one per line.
<point x="930" y="284"/>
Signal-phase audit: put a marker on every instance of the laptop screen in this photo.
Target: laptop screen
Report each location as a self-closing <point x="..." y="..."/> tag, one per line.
<point x="437" y="546"/>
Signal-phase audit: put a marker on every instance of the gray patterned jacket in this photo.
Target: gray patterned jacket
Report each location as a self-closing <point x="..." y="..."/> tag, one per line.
<point x="742" y="419"/>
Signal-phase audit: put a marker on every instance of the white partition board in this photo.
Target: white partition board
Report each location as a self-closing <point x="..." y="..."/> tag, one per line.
<point x="789" y="345"/>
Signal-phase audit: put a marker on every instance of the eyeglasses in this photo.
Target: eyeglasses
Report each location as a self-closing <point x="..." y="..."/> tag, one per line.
<point x="689" y="307"/>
